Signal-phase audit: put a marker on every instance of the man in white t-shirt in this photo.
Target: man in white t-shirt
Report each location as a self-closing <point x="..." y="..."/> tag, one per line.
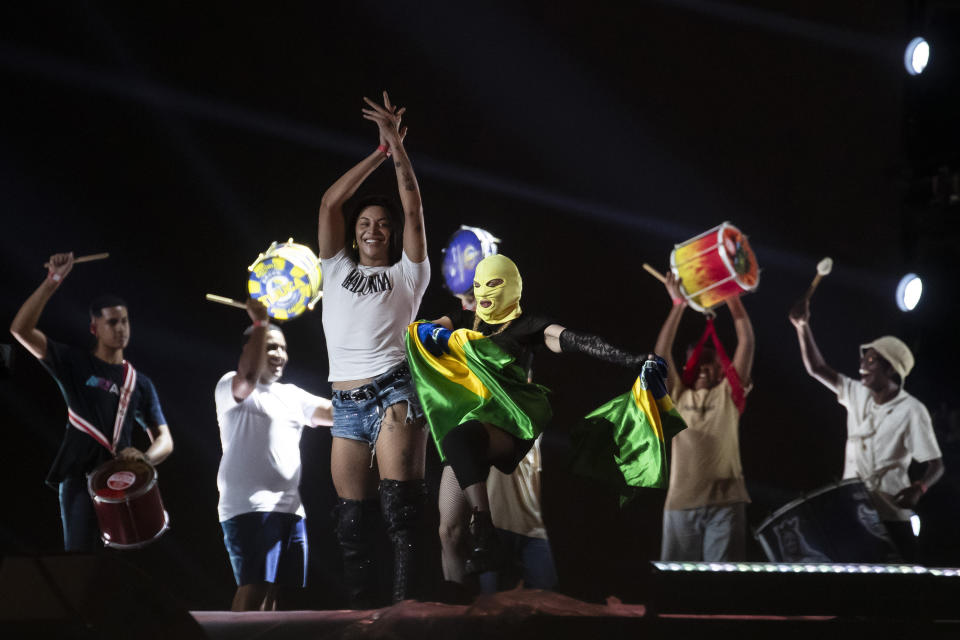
<point x="886" y="427"/>
<point x="260" y="510"/>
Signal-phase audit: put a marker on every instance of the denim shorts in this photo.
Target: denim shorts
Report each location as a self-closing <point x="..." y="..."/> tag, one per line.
<point x="358" y="413"/>
<point x="267" y="547"/>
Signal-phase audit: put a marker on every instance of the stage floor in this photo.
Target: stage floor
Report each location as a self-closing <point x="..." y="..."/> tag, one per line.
<point x="529" y="614"/>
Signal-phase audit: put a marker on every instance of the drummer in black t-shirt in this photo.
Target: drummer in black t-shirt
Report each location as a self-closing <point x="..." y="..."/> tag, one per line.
<point x="104" y="397"/>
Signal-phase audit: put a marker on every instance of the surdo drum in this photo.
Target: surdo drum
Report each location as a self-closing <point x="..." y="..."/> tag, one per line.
<point x="127" y="502"/>
<point x="467" y="247"/>
<point x="715" y="265"/>
<point x="837" y="523"/>
<point x="286" y="280"/>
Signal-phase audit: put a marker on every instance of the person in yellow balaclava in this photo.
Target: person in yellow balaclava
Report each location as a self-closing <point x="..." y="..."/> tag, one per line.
<point x="472" y="447"/>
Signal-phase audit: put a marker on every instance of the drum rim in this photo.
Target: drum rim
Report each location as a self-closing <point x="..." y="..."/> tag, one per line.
<point x="146" y="488"/>
<point x="804" y="498"/>
<point x="142" y="543"/>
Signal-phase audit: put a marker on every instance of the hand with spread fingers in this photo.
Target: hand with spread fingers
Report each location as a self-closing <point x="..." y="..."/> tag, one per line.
<point x="387" y="117"/>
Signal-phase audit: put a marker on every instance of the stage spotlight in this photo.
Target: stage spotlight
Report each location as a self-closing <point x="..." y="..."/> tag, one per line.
<point x="916" y="56"/>
<point x="909" y="291"/>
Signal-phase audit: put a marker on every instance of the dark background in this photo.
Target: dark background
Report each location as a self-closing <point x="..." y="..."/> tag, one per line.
<point x="184" y="137"/>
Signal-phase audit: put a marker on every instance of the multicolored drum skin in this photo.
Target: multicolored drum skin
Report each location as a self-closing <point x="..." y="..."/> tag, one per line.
<point x="127" y="502"/>
<point x="286" y="279"/>
<point x="715" y="265"/>
<point x="467" y="247"/>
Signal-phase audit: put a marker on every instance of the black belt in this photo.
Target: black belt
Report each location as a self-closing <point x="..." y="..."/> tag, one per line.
<point x="370" y="390"/>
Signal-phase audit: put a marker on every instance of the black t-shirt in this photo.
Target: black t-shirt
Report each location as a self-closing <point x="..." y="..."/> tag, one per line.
<point x="520" y="339"/>
<point x="91" y="388"/>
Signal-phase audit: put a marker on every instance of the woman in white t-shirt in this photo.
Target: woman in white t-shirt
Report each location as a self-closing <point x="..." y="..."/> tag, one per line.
<point x="375" y="271"/>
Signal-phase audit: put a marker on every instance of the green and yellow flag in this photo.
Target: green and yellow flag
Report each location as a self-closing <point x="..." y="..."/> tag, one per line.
<point x="625" y="443"/>
<point x="476" y="380"/>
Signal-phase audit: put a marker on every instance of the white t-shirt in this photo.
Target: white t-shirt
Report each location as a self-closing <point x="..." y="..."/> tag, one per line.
<point x="260" y="467"/>
<point x="882" y="439"/>
<point x="366" y="311"/>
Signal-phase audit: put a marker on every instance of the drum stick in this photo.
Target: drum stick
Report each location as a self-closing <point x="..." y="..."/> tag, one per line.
<point x="230" y="302"/>
<point x="656" y="274"/>
<point x="89" y="258"/>
<point x="823" y="268"/>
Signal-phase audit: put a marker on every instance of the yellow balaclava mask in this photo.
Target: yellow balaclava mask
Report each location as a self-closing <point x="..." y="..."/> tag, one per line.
<point x="503" y="296"/>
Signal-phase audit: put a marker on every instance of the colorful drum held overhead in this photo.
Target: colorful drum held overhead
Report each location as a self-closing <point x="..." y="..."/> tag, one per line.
<point x="286" y="279"/>
<point x="715" y="265"/>
<point x="467" y="247"/>
<point x="127" y="502"/>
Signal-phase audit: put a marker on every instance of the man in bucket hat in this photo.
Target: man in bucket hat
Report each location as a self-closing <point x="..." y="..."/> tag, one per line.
<point x="886" y="426"/>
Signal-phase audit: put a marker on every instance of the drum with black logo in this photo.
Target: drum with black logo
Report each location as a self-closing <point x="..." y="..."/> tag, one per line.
<point x="467" y="247"/>
<point x="127" y="502"/>
<point x="837" y="523"/>
<point x="714" y="266"/>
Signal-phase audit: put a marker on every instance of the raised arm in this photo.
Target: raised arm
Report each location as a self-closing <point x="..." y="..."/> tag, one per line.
<point x="387" y="118"/>
<point x="330" y="232"/>
<point x="668" y="332"/>
<point x="746" y="342"/>
<point x="559" y="339"/>
<point x="24" y="325"/>
<point x="812" y="358"/>
<point x="253" y="358"/>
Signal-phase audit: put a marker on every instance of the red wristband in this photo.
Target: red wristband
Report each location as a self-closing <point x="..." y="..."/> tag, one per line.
<point x="56" y="277"/>
<point x="677" y="301"/>
<point x="261" y="323"/>
<point x="384" y="149"/>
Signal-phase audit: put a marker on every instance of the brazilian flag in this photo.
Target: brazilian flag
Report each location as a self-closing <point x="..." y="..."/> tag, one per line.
<point x="476" y="380"/>
<point x="625" y="443"/>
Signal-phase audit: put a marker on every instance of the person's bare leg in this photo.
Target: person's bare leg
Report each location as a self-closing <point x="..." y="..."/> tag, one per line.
<point x="350" y="461"/>
<point x="249" y="597"/>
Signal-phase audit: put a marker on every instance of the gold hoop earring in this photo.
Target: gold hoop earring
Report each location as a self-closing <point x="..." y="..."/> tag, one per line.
<point x="355" y="245"/>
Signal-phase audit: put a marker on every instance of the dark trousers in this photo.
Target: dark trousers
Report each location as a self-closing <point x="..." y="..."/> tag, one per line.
<point x="901" y="532"/>
<point x="80" y="529"/>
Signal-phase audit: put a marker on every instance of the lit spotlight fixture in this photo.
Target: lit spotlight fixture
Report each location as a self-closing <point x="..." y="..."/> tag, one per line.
<point x="909" y="291"/>
<point x="916" y="56"/>
<point x="915" y="525"/>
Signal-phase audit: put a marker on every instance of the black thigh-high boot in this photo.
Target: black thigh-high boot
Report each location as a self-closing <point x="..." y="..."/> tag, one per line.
<point x="355" y="520"/>
<point x="403" y="503"/>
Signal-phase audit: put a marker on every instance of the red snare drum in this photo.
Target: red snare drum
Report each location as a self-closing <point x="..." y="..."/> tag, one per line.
<point x="714" y="266"/>
<point x="127" y="502"/>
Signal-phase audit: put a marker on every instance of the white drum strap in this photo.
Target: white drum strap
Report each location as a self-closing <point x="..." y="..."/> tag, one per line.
<point x="129" y="382"/>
